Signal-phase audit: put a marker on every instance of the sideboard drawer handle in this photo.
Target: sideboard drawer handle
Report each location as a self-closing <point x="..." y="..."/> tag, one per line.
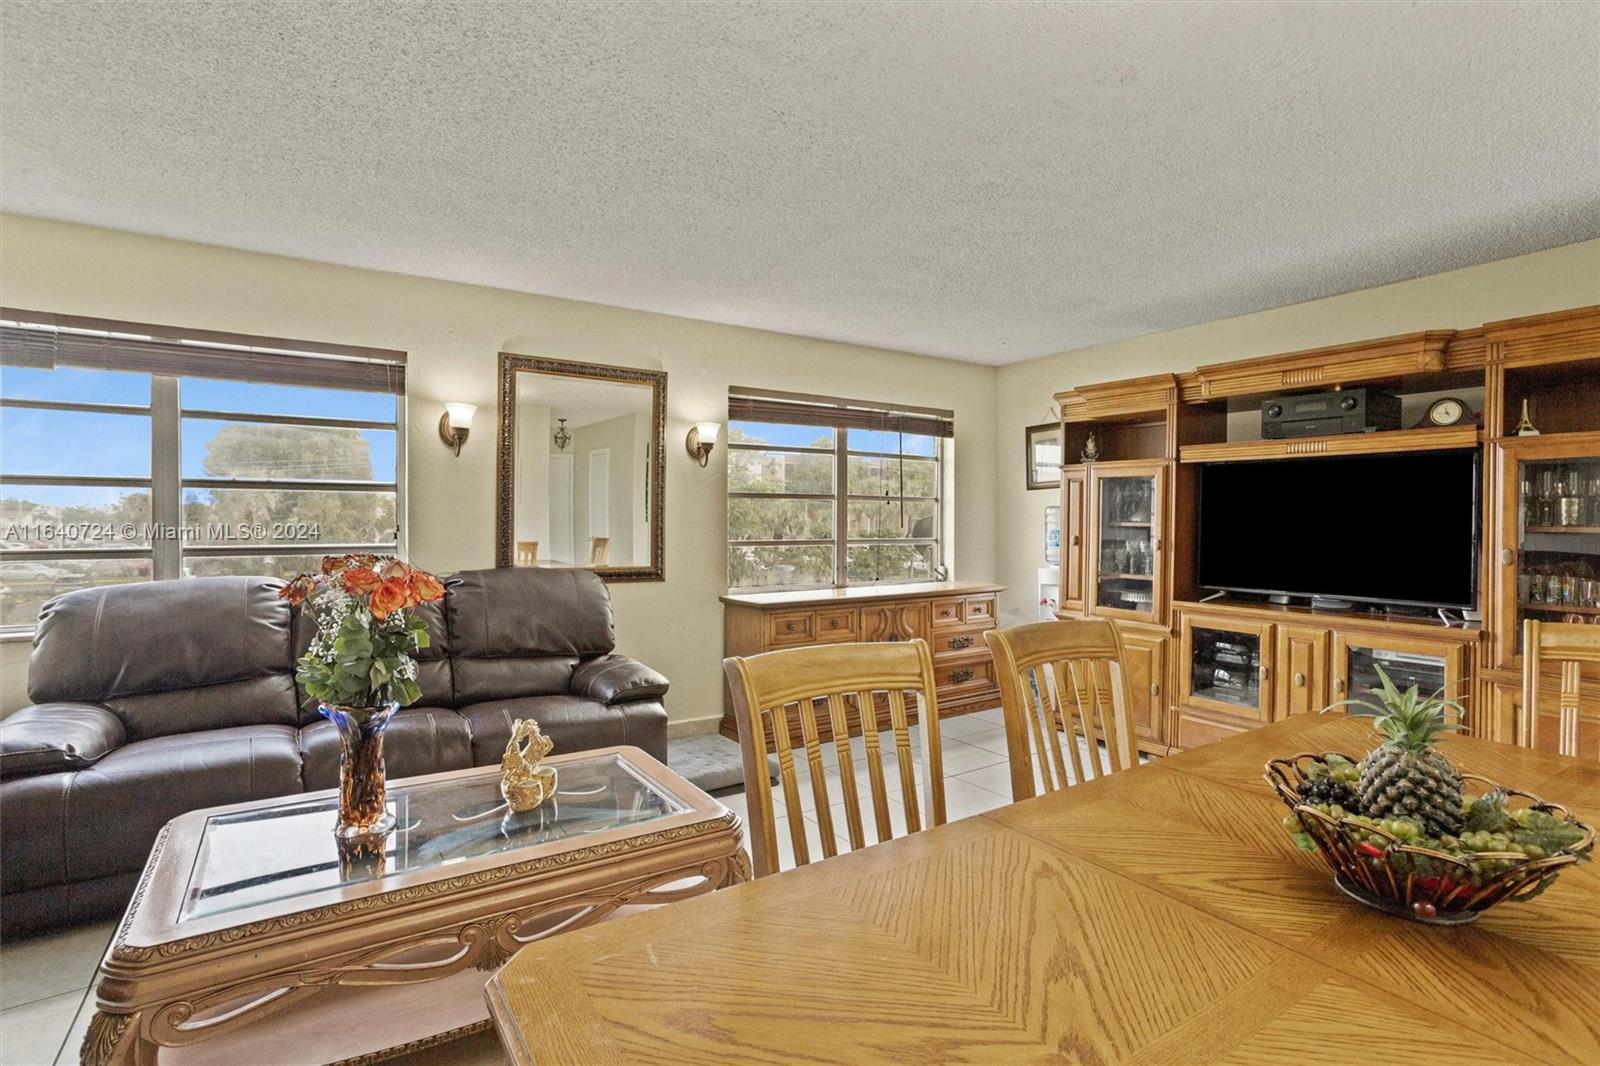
<point x="958" y="676"/>
<point x="1299" y="679"/>
<point x="962" y="642"/>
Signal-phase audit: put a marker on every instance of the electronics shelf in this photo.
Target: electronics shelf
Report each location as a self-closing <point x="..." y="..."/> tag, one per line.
<point x="1396" y="440"/>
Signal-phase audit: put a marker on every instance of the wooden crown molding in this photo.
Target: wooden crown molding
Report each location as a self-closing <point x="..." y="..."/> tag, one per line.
<point x="1558" y="337"/>
<point x="1409" y="353"/>
<point x="1115" y="399"/>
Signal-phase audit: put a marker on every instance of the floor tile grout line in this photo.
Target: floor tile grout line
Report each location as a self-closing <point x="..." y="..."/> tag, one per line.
<point x="40" y="999"/>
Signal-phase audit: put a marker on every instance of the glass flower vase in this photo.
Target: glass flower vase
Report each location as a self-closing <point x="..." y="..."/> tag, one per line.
<point x="363" y="807"/>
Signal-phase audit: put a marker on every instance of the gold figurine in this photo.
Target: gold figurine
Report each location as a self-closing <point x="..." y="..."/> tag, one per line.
<point x="523" y="782"/>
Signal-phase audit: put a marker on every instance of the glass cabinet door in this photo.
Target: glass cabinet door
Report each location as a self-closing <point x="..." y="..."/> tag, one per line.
<point x="1227" y="666"/>
<point x="1557" y="541"/>
<point x="1433" y="664"/>
<point x="1546" y="560"/>
<point x="1405" y="669"/>
<point x="1127" y="563"/>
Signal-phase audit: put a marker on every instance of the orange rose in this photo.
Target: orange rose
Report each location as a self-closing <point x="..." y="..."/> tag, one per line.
<point x="330" y="563"/>
<point x="388" y="597"/>
<point x="426" y="587"/>
<point x="359" y="581"/>
<point x="395" y="570"/>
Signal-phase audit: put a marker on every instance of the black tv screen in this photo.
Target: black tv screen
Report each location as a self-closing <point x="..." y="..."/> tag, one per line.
<point x="1392" y="529"/>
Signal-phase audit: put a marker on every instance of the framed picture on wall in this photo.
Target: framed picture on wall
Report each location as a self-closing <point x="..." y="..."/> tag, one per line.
<point x="1044" y="455"/>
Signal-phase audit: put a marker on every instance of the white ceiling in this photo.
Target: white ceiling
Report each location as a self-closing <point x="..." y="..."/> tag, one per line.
<point x="983" y="181"/>
<point x="582" y="401"/>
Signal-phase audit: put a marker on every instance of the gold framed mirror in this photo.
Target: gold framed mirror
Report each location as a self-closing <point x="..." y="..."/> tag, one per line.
<point x="580" y="476"/>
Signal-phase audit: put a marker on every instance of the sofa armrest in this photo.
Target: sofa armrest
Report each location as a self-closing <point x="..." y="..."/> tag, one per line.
<point x="613" y="679"/>
<point x="48" y="738"/>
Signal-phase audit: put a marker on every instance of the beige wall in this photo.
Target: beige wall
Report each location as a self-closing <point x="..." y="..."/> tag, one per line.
<point x="1545" y="281"/>
<point x="452" y="333"/>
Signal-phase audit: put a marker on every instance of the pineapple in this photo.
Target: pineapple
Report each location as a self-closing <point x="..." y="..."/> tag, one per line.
<point x="1405" y="777"/>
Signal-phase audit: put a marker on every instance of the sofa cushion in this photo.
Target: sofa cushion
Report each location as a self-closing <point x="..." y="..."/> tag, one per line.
<point x="478" y="680"/>
<point x="574" y="723"/>
<point x="51" y="737"/>
<point x="61" y="828"/>
<point x="265" y="700"/>
<point x="419" y="740"/>
<point x="433" y="662"/>
<point x="525" y="612"/>
<point x="198" y="636"/>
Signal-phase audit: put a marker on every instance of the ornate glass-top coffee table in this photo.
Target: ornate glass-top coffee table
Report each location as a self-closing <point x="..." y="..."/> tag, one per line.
<point x="256" y="932"/>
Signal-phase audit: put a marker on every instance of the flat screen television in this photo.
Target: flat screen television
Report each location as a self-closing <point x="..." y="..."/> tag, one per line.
<point x="1397" y="529"/>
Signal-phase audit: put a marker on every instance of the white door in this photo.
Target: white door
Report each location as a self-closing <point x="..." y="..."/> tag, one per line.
<point x="600" y="492"/>
<point x="560" y="512"/>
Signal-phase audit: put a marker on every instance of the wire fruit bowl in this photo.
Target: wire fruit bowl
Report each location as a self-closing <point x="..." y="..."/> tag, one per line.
<point x="1414" y="881"/>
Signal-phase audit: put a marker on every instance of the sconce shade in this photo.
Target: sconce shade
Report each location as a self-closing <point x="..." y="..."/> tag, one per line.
<point x="455" y="424"/>
<point x="702" y="438"/>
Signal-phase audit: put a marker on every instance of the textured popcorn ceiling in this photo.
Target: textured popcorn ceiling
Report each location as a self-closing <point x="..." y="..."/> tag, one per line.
<point x="987" y="182"/>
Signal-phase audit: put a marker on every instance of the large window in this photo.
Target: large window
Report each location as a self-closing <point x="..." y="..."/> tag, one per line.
<point x="131" y="453"/>
<point x="832" y="492"/>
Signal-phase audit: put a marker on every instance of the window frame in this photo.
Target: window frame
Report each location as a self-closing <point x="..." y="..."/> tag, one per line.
<point x="166" y="482"/>
<point x="841" y="497"/>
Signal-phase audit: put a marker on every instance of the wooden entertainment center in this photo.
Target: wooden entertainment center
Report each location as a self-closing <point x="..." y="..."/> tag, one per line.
<point x="1201" y="667"/>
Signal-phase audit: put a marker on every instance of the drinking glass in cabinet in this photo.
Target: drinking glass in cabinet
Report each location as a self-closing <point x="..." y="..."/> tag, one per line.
<point x="1558" y="541"/>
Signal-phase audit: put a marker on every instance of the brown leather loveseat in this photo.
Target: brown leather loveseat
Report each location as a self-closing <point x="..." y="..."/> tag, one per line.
<point x="155" y="699"/>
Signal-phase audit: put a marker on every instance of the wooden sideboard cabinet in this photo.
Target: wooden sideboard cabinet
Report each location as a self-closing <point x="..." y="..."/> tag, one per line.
<point x="951" y="616"/>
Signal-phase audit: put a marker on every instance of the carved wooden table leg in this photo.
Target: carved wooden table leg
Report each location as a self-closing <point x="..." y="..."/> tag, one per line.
<point x="114" y="1040"/>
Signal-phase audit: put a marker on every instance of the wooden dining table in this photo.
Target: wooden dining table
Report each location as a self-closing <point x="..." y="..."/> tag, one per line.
<point x="1159" y="915"/>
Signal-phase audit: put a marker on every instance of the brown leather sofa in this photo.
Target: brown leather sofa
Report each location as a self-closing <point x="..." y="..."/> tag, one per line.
<point x="155" y="699"/>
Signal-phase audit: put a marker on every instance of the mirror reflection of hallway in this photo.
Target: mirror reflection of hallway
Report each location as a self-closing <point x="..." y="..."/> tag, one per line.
<point x="581" y="455"/>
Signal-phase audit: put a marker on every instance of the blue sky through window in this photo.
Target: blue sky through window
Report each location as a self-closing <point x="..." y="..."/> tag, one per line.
<point x="76" y="443"/>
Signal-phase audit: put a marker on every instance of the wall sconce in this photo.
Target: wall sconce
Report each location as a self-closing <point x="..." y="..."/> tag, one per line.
<point x="455" y="424"/>
<point x="702" y="438"/>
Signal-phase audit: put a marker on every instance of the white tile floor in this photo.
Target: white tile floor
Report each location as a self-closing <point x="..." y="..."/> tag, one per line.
<point x="45" y="1002"/>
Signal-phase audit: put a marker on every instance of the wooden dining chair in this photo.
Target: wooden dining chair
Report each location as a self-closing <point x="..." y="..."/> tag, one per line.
<point x="1570" y="645"/>
<point x="527" y="553"/>
<point x="599" y="551"/>
<point x="1060" y="677"/>
<point x="776" y="701"/>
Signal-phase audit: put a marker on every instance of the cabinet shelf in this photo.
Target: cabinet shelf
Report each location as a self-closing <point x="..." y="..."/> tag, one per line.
<point x="1146" y="578"/>
<point x="1558" y="608"/>
<point x="1591" y="530"/>
<point x="1129" y="525"/>
<point x="1395" y="440"/>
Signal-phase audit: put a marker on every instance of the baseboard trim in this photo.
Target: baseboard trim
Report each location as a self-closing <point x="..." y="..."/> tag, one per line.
<point x="693" y="727"/>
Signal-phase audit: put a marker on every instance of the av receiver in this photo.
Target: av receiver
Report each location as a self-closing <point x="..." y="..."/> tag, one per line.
<point x="1320" y="414"/>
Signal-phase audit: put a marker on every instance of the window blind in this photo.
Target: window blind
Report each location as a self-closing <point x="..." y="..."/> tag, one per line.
<point x="761" y="405"/>
<point x="44" y="341"/>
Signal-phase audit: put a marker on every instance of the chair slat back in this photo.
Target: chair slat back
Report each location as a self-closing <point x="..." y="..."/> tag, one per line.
<point x="1572" y="646"/>
<point x="778" y="691"/>
<point x="1057" y="677"/>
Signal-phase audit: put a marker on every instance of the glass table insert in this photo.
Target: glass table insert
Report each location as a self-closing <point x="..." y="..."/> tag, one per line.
<point x="282" y="851"/>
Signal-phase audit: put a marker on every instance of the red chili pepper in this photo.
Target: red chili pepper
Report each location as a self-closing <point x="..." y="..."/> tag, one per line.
<point x="1368" y="849"/>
